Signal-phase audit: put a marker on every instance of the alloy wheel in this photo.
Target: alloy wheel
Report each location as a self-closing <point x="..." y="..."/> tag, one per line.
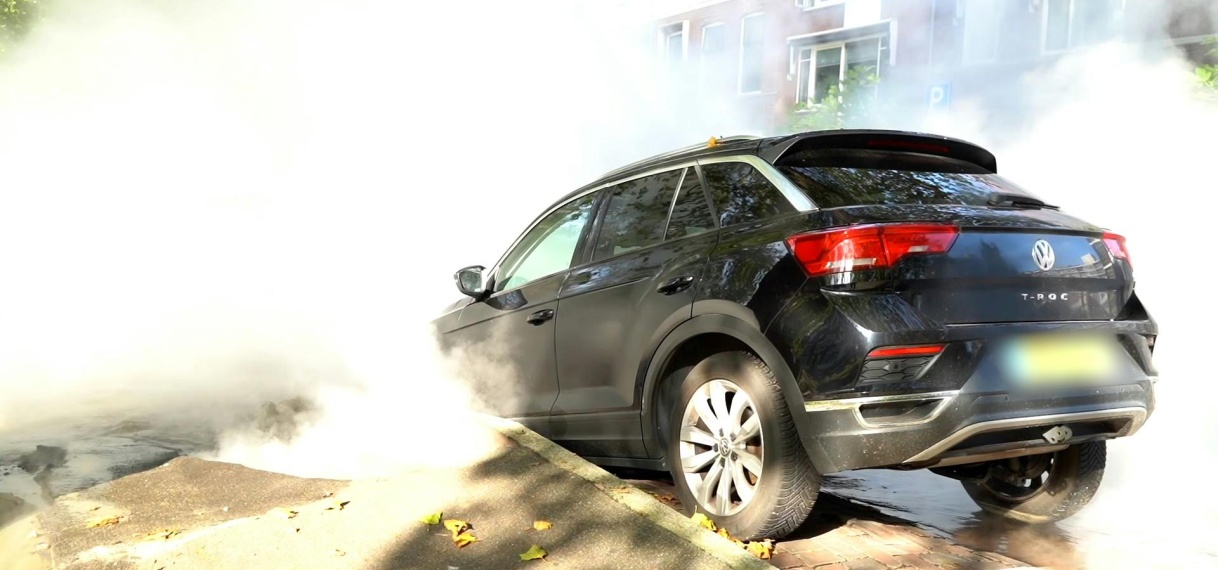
<point x="721" y="447"/>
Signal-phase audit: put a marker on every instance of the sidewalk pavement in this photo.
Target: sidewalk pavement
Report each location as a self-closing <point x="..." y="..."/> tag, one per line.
<point x="191" y="513"/>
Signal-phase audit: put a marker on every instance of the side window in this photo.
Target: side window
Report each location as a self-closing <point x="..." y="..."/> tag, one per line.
<point x="691" y="214"/>
<point x="742" y="194"/>
<point x="548" y="248"/>
<point x="636" y="214"/>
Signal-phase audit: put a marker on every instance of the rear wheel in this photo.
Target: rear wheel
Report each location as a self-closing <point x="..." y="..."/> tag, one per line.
<point x="1041" y="488"/>
<point x="736" y="454"/>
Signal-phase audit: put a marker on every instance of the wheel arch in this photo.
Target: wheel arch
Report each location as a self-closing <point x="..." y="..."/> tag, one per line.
<point x="701" y="336"/>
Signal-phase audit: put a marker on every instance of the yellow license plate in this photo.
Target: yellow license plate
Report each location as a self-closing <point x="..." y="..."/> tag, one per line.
<point x="1062" y="359"/>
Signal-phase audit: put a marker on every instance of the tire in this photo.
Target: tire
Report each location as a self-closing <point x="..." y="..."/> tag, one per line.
<point x="1073" y="477"/>
<point x="769" y="504"/>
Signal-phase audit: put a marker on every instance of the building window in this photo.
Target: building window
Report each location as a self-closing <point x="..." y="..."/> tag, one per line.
<point x="1077" y="23"/>
<point x="714" y="49"/>
<point x="820" y="68"/>
<point x="981" y="30"/>
<point x="673" y="37"/>
<point x="809" y="4"/>
<point x="752" y="53"/>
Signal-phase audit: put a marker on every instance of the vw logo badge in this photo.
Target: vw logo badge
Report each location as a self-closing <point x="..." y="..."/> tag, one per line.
<point x="1042" y="254"/>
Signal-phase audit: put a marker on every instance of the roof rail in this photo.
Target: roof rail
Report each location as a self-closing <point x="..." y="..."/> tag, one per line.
<point x="713" y="141"/>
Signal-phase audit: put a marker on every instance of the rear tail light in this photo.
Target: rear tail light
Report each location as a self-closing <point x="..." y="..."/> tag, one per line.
<point x="905" y="351"/>
<point x="1116" y="246"/>
<point x="868" y="247"/>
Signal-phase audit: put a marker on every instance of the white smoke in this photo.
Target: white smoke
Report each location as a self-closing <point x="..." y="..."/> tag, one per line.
<point x="211" y="205"/>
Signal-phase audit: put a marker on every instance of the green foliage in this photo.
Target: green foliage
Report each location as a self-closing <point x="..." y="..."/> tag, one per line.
<point x="16" y="19"/>
<point x="850" y="102"/>
<point x="1207" y="73"/>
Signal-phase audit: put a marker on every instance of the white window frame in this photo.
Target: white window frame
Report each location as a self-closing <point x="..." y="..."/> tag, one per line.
<point x="665" y="33"/>
<point x="841" y="65"/>
<point x="702" y="50"/>
<point x="969" y="59"/>
<point x="814" y="4"/>
<point x="740" y="59"/>
<point x="1044" y="25"/>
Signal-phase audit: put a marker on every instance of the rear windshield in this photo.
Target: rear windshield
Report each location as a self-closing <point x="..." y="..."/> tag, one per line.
<point x="833" y="179"/>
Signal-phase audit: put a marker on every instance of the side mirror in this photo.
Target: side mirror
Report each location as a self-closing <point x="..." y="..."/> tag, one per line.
<point x="469" y="281"/>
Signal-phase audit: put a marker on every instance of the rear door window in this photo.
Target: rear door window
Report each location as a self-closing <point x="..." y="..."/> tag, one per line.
<point x="743" y="194"/>
<point x="833" y="179"/>
<point x="636" y="214"/>
<point x="691" y="213"/>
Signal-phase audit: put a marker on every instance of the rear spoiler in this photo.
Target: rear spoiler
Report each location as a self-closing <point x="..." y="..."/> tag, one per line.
<point x="881" y="140"/>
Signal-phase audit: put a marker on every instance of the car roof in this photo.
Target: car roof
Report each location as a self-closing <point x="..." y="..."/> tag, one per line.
<point x="772" y="149"/>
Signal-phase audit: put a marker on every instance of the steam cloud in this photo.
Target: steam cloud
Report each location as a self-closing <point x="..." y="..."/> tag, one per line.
<point x="212" y="204"/>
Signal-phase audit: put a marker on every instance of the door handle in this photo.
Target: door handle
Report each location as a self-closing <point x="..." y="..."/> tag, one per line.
<point x="676" y="285"/>
<point x="541" y="316"/>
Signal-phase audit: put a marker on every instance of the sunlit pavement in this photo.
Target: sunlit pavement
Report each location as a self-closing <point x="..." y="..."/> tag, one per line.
<point x="841" y="534"/>
<point x="191" y="513"/>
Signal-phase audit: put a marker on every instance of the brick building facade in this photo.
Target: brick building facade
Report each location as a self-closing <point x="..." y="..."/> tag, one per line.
<point x="768" y="56"/>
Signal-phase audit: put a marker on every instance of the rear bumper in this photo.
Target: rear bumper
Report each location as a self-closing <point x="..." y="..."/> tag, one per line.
<point x="938" y="429"/>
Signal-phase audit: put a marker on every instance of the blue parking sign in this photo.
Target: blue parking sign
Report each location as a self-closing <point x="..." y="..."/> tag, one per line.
<point x="940" y="96"/>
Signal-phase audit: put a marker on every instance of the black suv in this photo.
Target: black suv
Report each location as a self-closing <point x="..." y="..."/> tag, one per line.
<point x="752" y="313"/>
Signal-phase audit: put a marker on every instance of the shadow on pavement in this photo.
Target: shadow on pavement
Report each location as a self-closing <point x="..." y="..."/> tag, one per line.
<point x="517" y="487"/>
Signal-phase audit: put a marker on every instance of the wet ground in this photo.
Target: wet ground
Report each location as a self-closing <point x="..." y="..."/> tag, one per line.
<point x="39" y="464"/>
<point x="1120" y="530"/>
<point x="1106" y="536"/>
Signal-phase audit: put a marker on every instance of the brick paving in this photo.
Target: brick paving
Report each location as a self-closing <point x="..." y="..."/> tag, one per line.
<point x="843" y="535"/>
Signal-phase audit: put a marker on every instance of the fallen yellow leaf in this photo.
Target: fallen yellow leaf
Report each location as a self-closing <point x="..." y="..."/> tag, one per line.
<point x="763" y="549"/>
<point x="163" y="535"/>
<point x="534" y="553"/>
<point x="103" y="521"/>
<point x="456" y="527"/>
<point x="666" y="499"/>
<point x="336" y="505"/>
<point x="543" y="525"/>
<point x="464" y="538"/>
<point x="703" y="521"/>
<point x="284" y="512"/>
<point x="723" y="532"/>
<point x="433" y="518"/>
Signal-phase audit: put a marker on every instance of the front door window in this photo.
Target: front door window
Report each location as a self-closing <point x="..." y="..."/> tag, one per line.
<point x="548" y="248"/>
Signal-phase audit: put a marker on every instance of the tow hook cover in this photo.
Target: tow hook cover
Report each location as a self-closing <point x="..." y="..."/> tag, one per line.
<point x="1058" y="434"/>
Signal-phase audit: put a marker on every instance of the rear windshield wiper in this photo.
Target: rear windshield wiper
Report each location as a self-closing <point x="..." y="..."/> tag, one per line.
<point x="1011" y="200"/>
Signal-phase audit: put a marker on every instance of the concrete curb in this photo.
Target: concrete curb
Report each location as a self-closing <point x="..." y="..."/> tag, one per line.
<point x="636" y="500"/>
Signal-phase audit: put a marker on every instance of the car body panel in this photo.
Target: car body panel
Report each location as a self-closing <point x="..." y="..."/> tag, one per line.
<point x="614" y="337"/>
<point x="497" y="331"/>
<point x="599" y="351"/>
